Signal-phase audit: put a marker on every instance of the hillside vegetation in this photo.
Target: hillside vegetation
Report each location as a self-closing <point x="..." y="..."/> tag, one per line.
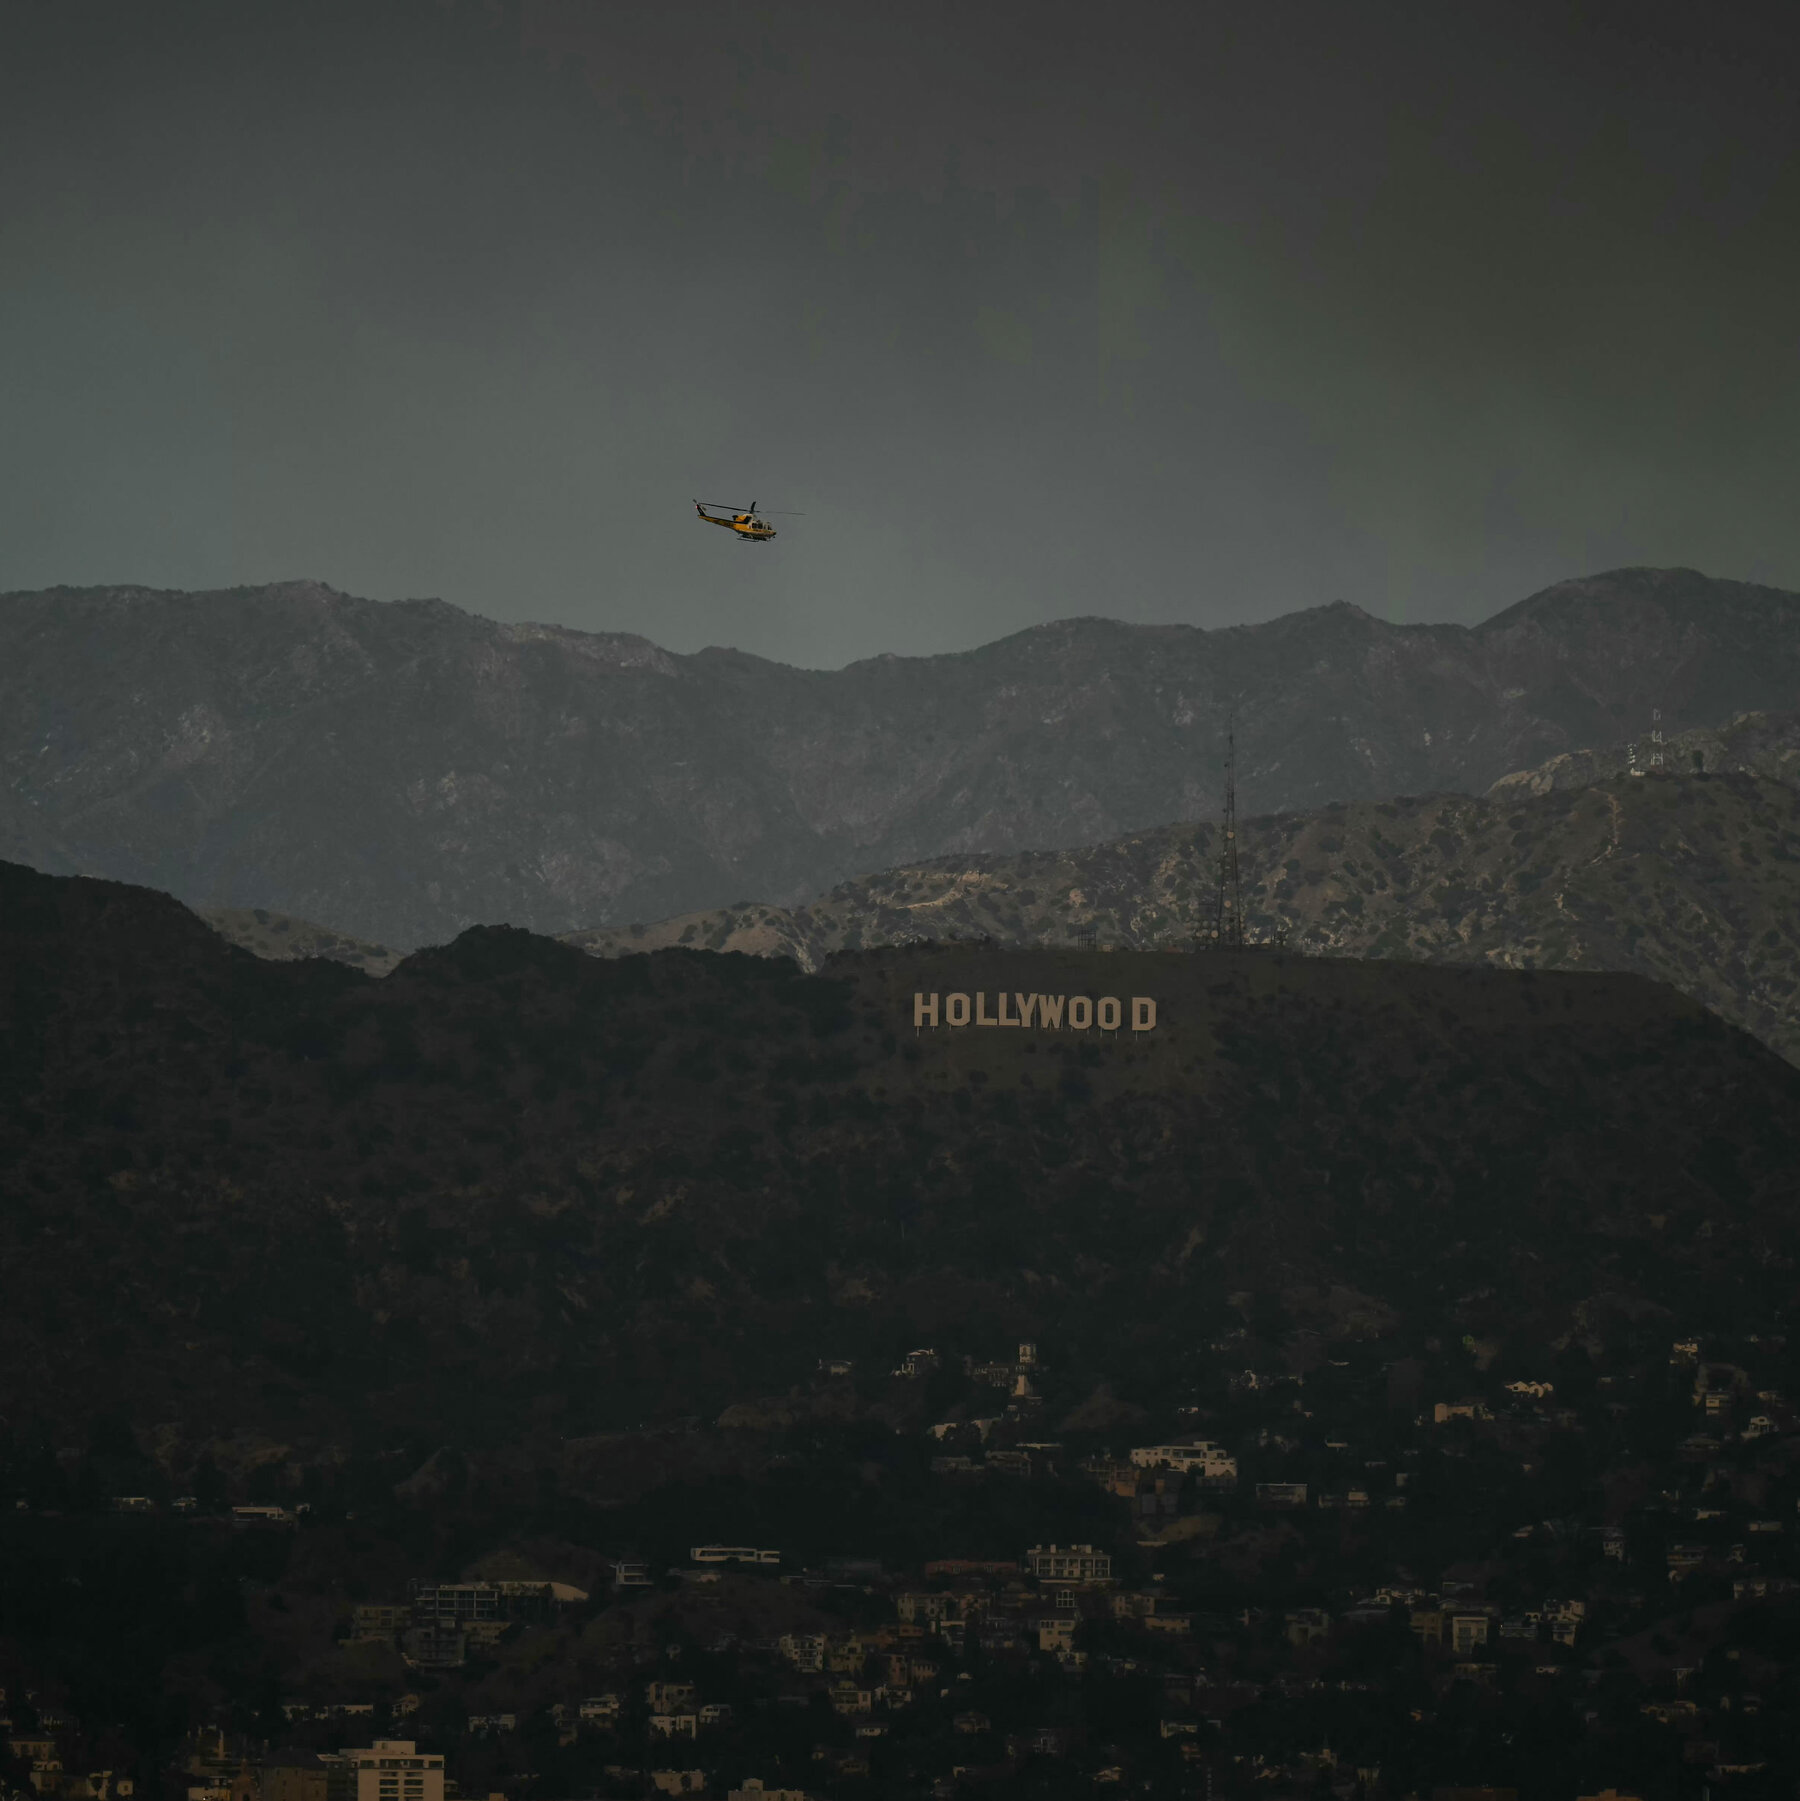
<point x="514" y="1194"/>
<point x="1691" y="880"/>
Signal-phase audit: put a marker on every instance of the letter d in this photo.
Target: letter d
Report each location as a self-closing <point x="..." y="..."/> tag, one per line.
<point x="1143" y="1013"/>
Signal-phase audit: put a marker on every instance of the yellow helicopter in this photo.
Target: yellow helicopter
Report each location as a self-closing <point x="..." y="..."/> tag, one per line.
<point x="747" y="523"/>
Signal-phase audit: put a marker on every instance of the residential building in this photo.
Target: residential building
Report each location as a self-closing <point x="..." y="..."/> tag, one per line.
<point x="850" y="1699"/>
<point x="296" y="1777"/>
<point x="1281" y="1494"/>
<point x="391" y="1769"/>
<point x="1115" y="1476"/>
<point x="376" y="1622"/>
<point x="924" y="1609"/>
<point x="434" y="1647"/>
<point x="1565" y="1619"/>
<point x="468" y="1604"/>
<point x="1466" y="1409"/>
<point x="804" y="1650"/>
<point x="1069" y="1563"/>
<point x="1211" y="1462"/>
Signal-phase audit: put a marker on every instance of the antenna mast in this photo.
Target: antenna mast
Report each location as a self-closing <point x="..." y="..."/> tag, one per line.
<point x="1228" y="917"/>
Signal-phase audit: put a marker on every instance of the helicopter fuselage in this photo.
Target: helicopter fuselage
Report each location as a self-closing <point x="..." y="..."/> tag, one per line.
<point x="749" y="528"/>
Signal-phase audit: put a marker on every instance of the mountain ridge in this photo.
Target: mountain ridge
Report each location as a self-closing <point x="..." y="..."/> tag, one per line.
<point x="404" y="769"/>
<point x="1692" y="880"/>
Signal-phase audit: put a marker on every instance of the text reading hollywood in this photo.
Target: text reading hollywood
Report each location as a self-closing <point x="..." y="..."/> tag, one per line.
<point x="1041" y="1012"/>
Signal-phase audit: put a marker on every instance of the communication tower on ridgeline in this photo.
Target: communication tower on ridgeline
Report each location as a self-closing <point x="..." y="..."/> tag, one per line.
<point x="1228" y="913"/>
<point x="1653" y="757"/>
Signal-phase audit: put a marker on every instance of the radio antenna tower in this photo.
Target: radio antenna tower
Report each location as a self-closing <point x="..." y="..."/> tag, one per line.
<point x="1228" y="916"/>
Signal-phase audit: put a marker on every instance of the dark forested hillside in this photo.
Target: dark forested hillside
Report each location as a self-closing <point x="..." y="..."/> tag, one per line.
<point x="515" y="1195"/>
<point x="404" y="770"/>
<point x="1479" y="1282"/>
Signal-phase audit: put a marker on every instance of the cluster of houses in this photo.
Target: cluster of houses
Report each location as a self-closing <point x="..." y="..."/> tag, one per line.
<point x="439" y="1622"/>
<point x="867" y="1660"/>
<point x="43" y="1748"/>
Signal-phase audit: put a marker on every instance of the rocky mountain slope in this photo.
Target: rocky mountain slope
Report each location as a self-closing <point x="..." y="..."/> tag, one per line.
<point x="517" y="1196"/>
<point x="1761" y="744"/>
<point x="403" y="770"/>
<point x="283" y="939"/>
<point x="1693" y="880"/>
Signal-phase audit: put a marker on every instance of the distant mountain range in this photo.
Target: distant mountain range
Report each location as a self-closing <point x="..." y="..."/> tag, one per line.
<point x="403" y="770"/>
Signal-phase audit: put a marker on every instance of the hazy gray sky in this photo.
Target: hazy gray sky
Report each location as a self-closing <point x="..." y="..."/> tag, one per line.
<point x="1195" y="313"/>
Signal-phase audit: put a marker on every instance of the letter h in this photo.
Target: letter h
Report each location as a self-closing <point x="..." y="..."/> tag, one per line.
<point x="925" y="1011"/>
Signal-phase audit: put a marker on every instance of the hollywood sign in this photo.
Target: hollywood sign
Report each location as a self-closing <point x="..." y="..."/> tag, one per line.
<point x="1042" y="1012"/>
